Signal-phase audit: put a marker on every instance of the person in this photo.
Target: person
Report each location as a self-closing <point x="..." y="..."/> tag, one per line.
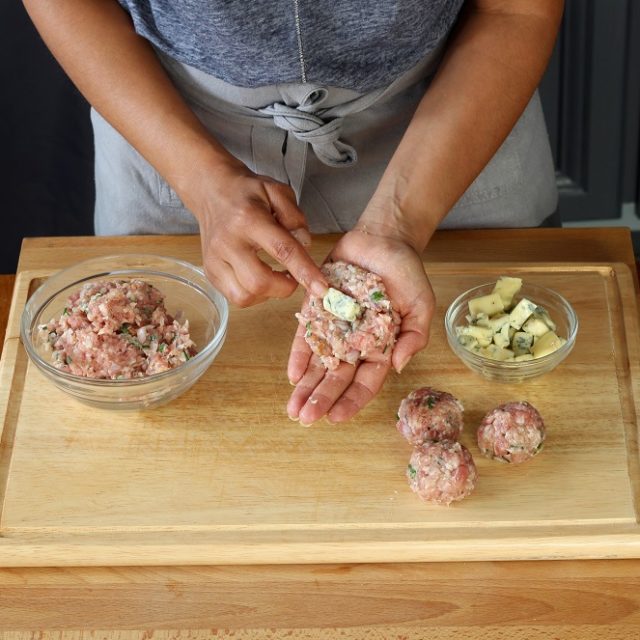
<point x="256" y="123"/>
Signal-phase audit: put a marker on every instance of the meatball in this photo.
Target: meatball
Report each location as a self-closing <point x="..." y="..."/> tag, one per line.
<point x="513" y="432"/>
<point x="442" y="472"/>
<point x="427" y="414"/>
<point x="370" y="336"/>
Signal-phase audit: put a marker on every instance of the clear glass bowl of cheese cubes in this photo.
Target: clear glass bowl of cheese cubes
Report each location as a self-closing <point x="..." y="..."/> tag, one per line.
<point x="510" y="330"/>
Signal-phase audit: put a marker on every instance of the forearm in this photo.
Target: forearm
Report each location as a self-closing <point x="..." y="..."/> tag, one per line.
<point x="120" y="75"/>
<point x="493" y="64"/>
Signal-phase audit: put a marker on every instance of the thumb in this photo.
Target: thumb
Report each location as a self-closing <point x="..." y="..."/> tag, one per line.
<point x="414" y="334"/>
<point x="286" y="211"/>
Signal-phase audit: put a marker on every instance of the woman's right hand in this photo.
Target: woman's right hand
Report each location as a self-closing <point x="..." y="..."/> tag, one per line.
<point x="241" y="213"/>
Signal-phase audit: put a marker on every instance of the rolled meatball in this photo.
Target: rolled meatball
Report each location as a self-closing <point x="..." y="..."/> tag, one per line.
<point x="370" y="336"/>
<point x="513" y="432"/>
<point x="442" y="472"/>
<point x="428" y="415"/>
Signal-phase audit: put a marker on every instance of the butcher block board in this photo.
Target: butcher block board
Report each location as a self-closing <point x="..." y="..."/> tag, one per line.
<point x="221" y="475"/>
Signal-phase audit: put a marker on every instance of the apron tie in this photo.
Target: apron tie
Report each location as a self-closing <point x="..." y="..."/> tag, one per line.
<point x="323" y="136"/>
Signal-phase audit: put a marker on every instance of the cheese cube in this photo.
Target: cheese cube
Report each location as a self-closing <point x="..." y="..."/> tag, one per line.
<point x="489" y="305"/>
<point x="469" y="342"/>
<point x="341" y="305"/>
<point x="497" y="322"/>
<point x="542" y="313"/>
<point x="497" y="353"/>
<point x="506" y="288"/>
<point x="536" y="326"/>
<point x="521" y="343"/>
<point x="481" y="334"/>
<point x="500" y="340"/>
<point x="521" y="312"/>
<point x="546" y="344"/>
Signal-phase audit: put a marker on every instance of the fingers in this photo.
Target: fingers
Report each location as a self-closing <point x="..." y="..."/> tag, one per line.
<point x="284" y="206"/>
<point x="414" y="332"/>
<point x="286" y="250"/>
<point x="338" y="394"/>
<point x="318" y="390"/>
<point x="285" y="210"/>
<point x="368" y="380"/>
<point x="261" y="280"/>
<point x="302" y="236"/>
<point x="256" y="213"/>
<point x="299" y="356"/>
<point x="222" y="276"/>
<point x="311" y="378"/>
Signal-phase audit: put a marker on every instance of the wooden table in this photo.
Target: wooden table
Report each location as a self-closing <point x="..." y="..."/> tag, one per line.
<point x="534" y="600"/>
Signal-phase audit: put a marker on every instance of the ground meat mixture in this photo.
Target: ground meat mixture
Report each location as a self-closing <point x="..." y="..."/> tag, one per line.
<point x="442" y="472"/>
<point x="428" y="415"/>
<point x="513" y="432"/>
<point x="370" y="336"/>
<point x="117" y="329"/>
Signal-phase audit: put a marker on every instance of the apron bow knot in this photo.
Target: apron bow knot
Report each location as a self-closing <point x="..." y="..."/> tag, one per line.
<point x="323" y="136"/>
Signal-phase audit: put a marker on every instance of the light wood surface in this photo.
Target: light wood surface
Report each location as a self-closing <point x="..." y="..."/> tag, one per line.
<point x="6" y="290"/>
<point x="560" y="599"/>
<point x="222" y="476"/>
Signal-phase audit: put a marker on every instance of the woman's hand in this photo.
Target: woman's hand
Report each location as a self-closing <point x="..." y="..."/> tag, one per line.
<point x="341" y="393"/>
<point x="241" y="213"/>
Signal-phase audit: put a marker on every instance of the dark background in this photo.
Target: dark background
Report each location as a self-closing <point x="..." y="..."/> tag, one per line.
<point x="591" y="96"/>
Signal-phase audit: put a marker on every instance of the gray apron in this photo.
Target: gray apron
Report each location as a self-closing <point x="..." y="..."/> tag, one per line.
<point x="331" y="145"/>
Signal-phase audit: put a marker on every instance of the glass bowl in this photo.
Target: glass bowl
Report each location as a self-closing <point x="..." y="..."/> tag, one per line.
<point x="560" y="311"/>
<point x="186" y="291"/>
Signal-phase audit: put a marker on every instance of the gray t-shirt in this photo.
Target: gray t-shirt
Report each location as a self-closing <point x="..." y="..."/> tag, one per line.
<point x="353" y="44"/>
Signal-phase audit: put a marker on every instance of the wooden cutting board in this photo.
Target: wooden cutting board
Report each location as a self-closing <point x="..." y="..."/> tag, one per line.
<point x="221" y="475"/>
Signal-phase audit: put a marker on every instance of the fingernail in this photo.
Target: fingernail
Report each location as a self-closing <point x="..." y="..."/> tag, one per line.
<point x="302" y="236"/>
<point x="318" y="289"/>
<point x="296" y="419"/>
<point x="403" y="364"/>
<point x="304" y="424"/>
<point x="292" y="383"/>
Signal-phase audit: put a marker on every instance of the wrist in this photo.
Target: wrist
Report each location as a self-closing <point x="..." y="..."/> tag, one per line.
<point x="194" y="173"/>
<point x="394" y="216"/>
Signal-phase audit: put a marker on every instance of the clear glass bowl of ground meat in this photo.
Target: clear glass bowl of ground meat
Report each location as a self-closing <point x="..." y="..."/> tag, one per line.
<point x="527" y="333"/>
<point x="126" y="331"/>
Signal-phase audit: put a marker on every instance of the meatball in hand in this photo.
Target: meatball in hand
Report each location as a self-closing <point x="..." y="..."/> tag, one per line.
<point x="340" y="392"/>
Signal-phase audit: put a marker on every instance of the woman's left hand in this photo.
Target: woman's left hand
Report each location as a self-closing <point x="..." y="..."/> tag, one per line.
<point x="341" y="393"/>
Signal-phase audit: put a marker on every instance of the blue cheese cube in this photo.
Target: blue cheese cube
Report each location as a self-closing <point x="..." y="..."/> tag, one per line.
<point x="542" y="313"/>
<point x="469" y="342"/>
<point x="536" y="326"/>
<point x="546" y="344"/>
<point x="503" y="337"/>
<point x="489" y="305"/>
<point x="341" y="305"/>
<point x="506" y="288"/>
<point x="495" y="352"/>
<point x="521" y="343"/>
<point x="481" y="334"/>
<point x="521" y="313"/>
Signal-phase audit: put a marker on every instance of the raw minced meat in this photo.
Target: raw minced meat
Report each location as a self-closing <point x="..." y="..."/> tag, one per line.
<point x="117" y="329"/>
<point x="427" y="415"/>
<point x="442" y="472"/>
<point x="513" y="432"/>
<point x="370" y="336"/>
